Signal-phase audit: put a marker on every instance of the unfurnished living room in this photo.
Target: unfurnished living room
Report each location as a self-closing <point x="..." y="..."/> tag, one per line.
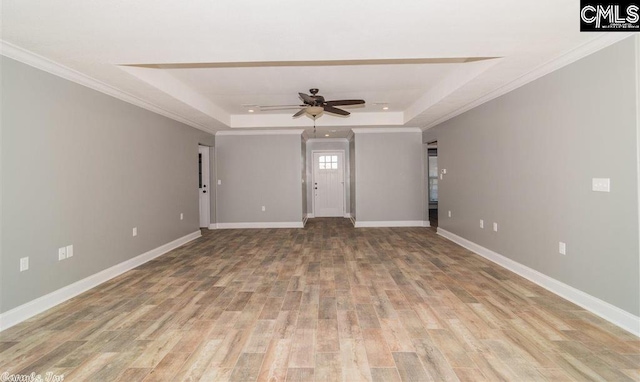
<point x="339" y="191"/>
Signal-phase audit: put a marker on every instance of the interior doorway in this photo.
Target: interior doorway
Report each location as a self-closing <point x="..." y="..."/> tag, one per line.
<point x="328" y="183"/>
<point x="432" y="182"/>
<point x="204" y="186"/>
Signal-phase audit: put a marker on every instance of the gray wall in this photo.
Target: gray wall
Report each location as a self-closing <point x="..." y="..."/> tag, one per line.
<point x="389" y="176"/>
<point x="83" y="168"/>
<point x="352" y="177"/>
<point x="256" y="171"/>
<point x="526" y="160"/>
<point x="317" y="144"/>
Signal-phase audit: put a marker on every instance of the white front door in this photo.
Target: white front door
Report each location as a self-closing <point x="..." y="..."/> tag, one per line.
<point x="203" y="184"/>
<point x="328" y="183"/>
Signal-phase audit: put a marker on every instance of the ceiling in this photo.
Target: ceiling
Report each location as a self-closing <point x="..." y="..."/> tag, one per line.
<point x="208" y="63"/>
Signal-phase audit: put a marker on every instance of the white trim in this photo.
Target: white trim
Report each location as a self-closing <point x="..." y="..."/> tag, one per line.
<point x="304" y="220"/>
<point x="310" y="216"/>
<point x="261" y="132"/>
<point x="350" y="135"/>
<point x="353" y="220"/>
<point x="601" y="42"/>
<point x="32" y="59"/>
<point x="613" y="314"/>
<point x="394" y="223"/>
<point x="213" y="226"/>
<point x="260" y="225"/>
<point x="369" y="130"/>
<point x="347" y="215"/>
<point x="48" y="301"/>
<point x="204" y="201"/>
<point x="327" y="140"/>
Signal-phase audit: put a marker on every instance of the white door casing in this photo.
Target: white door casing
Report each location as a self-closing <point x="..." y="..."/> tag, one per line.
<point x="328" y="183"/>
<point x="204" y="186"/>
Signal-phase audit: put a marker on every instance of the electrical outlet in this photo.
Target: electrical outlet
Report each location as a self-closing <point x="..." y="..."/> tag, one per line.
<point x="562" y="248"/>
<point x="24" y="264"/>
<point x="219" y="182"/>
<point x="601" y="184"/>
<point x="62" y="253"/>
<point x="449" y="213"/>
<point x="181" y="216"/>
<point x="135" y="231"/>
<point x="481" y="223"/>
<point x="263" y="209"/>
<point x="69" y="251"/>
<point x="495" y="227"/>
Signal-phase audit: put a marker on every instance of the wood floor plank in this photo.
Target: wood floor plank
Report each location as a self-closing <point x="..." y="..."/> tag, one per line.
<point x="410" y="368"/>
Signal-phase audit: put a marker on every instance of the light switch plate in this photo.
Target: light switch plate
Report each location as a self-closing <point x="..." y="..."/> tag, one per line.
<point x="562" y="248"/>
<point x="69" y="251"/>
<point x="219" y="182"/>
<point x="449" y="213"/>
<point x="481" y="223"/>
<point x="495" y="227"/>
<point x="181" y="216"/>
<point x="601" y="184"/>
<point x="135" y="231"/>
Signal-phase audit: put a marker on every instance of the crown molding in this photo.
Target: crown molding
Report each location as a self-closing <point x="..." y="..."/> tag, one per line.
<point x="381" y="130"/>
<point x="39" y="62"/>
<point x="261" y="132"/>
<point x="327" y="140"/>
<point x="563" y="60"/>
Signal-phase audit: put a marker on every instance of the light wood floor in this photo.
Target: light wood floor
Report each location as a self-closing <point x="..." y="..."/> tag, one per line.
<point x="324" y="303"/>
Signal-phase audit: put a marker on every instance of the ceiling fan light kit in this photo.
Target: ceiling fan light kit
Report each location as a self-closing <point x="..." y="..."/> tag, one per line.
<point x="314" y="111"/>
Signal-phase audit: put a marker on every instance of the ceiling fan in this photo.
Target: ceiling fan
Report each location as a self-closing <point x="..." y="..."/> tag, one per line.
<point x="315" y="104"/>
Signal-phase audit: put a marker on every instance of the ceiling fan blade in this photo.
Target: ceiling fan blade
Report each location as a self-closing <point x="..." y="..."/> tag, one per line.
<point x="335" y="110"/>
<point x="269" y="106"/>
<point x="299" y="113"/>
<point x="345" y="102"/>
<point x="307" y="99"/>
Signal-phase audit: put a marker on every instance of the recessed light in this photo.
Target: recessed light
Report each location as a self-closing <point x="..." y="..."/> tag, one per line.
<point x="250" y="110"/>
<point x="326" y="135"/>
<point x="385" y="108"/>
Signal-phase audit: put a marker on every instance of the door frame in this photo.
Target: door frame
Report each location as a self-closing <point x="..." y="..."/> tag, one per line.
<point x="313" y="181"/>
<point x="206" y="163"/>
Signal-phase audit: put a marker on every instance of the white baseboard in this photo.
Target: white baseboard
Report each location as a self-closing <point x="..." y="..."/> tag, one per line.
<point x="347" y="215"/>
<point x="311" y="216"/>
<point x="395" y="223"/>
<point x="304" y="220"/>
<point x="613" y="314"/>
<point x="260" y="225"/>
<point x="353" y="220"/>
<point x="48" y="301"/>
<point x="213" y="226"/>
